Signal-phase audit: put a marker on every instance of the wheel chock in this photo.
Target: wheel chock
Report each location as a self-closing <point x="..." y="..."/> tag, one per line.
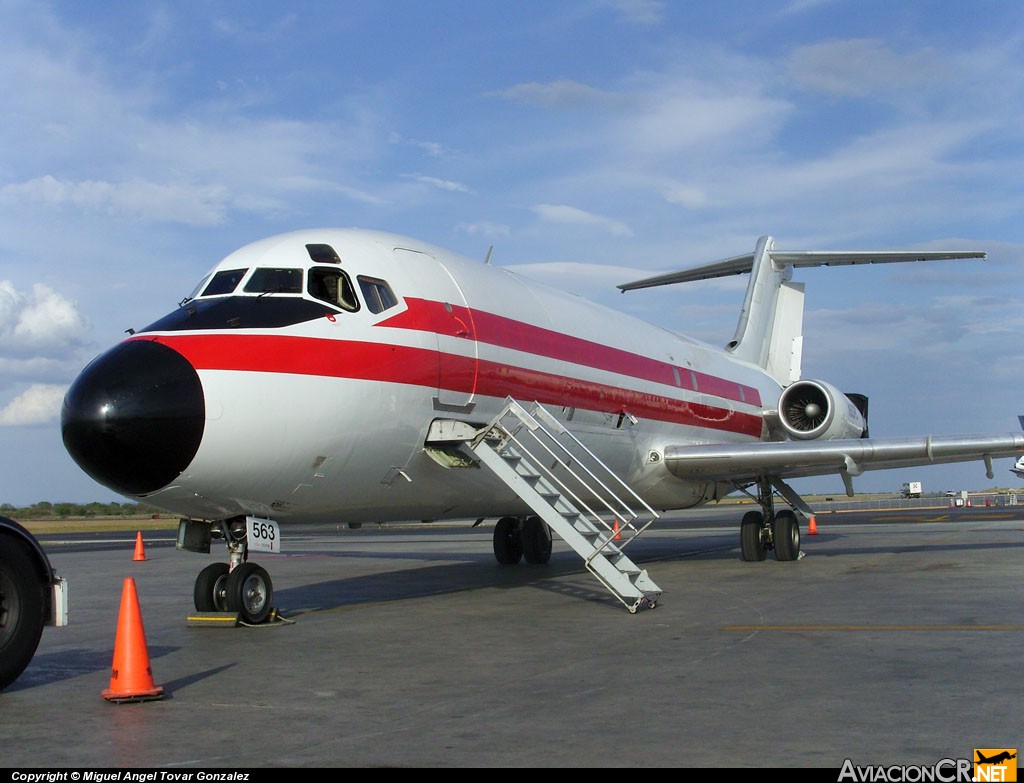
<point x="230" y="620"/>
<point x="213" y="620"/>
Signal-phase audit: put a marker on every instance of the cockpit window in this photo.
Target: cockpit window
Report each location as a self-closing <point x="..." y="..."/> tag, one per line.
<point x="274" y="280"/>
<point x="334" y="287"/>
<point x="224" y="282"/>
<point x="323" y="254"/>
<point x="195" y="291"/>
<point x="377" y="293"/>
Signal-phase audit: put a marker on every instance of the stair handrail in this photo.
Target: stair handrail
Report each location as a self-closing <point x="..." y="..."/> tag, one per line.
<point x="533" y="423"/>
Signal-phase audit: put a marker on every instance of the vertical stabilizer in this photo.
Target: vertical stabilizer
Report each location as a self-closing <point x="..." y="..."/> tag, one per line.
<point x="770" y="330"/>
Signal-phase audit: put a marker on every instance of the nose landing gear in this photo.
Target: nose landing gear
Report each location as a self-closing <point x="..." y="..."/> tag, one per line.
<point x="238" y="587"/>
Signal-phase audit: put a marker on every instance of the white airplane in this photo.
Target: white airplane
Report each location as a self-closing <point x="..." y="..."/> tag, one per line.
<point x="349" y="376"/>
<point x="1018" y="467"/>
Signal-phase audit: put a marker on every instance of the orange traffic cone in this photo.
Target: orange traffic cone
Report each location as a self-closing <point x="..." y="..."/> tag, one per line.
<point x="615" y="529"/>
<point x="131" y="677"/>
<point x="812" y="527"/>
<point x="140" y="550"/>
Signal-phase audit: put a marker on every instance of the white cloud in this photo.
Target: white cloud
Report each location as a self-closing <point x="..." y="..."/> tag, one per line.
<point x="687" y="114"/>
<point x="85" y="140"/>
<point x="432" y="148"/>
<point x="484" y="228"/>
<point x="42" y="322"/>
<point x="859" y="66"/>
<point x="689" y="196"/>
<point x="569" y="275"/>
<point x="640" y="11"/>
<point x="562" y="92"/>
<point x="187" y="204"/>
<point x="800" y="6"/>
<point x="38" y="404"/>
<point x="440" y="184"/>
<point x="561" y="213"/>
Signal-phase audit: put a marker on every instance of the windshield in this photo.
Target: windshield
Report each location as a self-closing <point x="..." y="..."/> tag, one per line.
<point x="275" y="280"/>
<point x="224" y="282"/>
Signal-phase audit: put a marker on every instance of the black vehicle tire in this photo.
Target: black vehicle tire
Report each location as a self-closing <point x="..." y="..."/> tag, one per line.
<point x="536" y="540"/>
<point x="250" y="592"/>
<point x="508" y="544"/>
<point x="752" y="547"/>
<point x="786" y="532"/>
<point x="22" y="604"/>
<point x="210" y="590"/>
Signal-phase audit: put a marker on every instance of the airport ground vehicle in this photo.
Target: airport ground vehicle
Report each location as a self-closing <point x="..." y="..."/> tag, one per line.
<point x="911" y="489"/>
<point x="31" y="596"/>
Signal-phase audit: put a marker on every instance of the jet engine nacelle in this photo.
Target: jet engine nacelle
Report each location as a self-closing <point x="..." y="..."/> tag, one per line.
<point x="815" y="410"/>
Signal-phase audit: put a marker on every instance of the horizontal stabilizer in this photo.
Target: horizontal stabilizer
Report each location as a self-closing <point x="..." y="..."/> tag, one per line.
<point x="804" y="258"/>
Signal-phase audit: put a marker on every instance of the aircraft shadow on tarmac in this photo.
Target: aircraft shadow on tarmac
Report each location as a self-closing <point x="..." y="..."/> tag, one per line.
<point x="478" y="571"/>
<point x="957" y="547"/>
<point x="445" y="579"/>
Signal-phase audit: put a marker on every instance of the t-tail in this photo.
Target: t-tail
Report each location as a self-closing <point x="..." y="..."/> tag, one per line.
<point x="770" y="329"/>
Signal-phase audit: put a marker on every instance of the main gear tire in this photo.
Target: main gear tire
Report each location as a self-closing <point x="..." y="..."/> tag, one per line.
<point x="536" y="540"/>
<point x="508" y="543"/>
<point x="752" y="537"/>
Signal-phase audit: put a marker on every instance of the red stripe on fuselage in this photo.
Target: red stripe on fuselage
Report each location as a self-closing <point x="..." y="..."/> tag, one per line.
<point x="452" y="320"/>
<point x="419" y="367"/>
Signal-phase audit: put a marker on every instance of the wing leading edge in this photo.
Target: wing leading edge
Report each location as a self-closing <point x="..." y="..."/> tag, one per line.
<point x="743" y="463"/>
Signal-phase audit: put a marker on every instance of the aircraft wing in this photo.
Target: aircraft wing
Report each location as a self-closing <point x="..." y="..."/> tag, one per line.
<point x="850" y="457"/>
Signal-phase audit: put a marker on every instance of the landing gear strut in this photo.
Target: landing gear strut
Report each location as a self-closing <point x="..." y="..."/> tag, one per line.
<point x="761" y="531"/>
<point x="239" y="586"/>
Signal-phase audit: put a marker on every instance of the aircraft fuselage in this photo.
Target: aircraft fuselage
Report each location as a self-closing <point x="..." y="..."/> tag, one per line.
<point x="264" y="395"/>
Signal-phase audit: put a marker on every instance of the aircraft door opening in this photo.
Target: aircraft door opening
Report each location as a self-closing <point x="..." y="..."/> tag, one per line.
<point x="446" y="313"/>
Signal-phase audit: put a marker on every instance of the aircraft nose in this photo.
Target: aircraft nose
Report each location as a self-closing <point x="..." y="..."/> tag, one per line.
<point x="134" y="418"/>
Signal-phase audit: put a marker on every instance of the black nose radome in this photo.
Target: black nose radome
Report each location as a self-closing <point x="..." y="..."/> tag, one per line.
<point x="133" y="419"/>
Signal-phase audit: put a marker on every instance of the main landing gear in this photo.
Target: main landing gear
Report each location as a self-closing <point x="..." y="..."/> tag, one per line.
<point x="239" y="586"/>
<point x="518" y="539"/>
<point x="761" y="531"/>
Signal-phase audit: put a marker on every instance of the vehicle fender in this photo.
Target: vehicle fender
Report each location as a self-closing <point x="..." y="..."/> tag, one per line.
<point x="41" y="563"/>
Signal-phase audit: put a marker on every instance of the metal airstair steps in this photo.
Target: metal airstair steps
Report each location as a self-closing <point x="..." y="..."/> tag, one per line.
<point x="568" y="487"/>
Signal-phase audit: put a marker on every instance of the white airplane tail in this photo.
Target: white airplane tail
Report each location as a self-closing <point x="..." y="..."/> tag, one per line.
<point x="1018" y="466"/>
<point x="770" y="329"/>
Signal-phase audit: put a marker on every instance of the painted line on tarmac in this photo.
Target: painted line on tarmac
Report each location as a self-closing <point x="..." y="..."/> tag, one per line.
<point x="748" y="628"/>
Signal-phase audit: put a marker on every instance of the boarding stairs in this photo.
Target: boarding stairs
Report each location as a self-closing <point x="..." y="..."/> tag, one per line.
<point x="580" y="499"/>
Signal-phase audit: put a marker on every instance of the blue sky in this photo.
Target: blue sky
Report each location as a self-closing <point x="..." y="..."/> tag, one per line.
<point x="589" y="142"/>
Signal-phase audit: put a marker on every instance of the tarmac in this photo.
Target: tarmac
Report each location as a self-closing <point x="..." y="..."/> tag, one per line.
<point x="895" y="640"/>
